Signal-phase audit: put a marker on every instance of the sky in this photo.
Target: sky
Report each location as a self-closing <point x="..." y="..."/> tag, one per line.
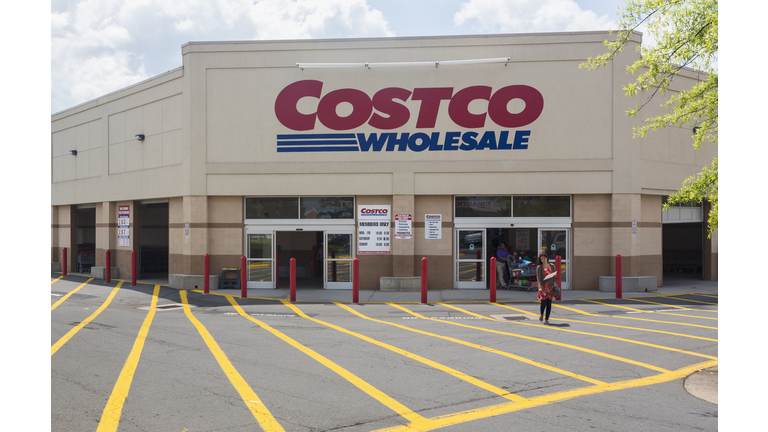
<point x="99" y="46"/>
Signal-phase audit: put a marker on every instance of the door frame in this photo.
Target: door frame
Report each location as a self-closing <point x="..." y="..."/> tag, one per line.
<point x="457" y="261"/>
<point x="272" y="229"/>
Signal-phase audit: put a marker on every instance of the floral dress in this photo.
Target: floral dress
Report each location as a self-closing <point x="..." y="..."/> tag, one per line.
<point x="546" y="291"/>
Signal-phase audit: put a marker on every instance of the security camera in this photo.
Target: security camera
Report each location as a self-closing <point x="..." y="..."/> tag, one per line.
<point x="140" y="137"/>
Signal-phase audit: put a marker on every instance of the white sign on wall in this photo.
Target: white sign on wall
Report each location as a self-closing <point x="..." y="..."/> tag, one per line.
<point x="373" y="229"/>
<point x="403" y="227"/>
<point x="433" y="224"/>
<point x="123" y="226"/>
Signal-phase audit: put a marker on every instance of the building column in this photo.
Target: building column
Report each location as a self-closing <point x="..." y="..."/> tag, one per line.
<point x="188" y="234"/>
<point x="636" y="235"/>
<point x="106" y="233"/>
<point x="402" y="249"/>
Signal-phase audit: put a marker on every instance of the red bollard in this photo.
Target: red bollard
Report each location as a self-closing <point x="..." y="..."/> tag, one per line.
<point x="355" y="280"/>
<point x="206" y="274"/>
<point x="424" y="280"/>
<point x="293" y="279"/>
<point x="64" y="261"/>
<point x="109" y="267"/>
<point x="558" y="266"/>
<point x="618" y="276"/>
<point x="243" y="278"/>
<point x="133" y="268"/>
<point x="493" y="279"/>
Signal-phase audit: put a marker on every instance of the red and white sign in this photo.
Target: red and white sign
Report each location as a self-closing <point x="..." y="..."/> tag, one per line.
<point x="403" y="225"/>
<point x="123" y="226"/>
<point x="373" y="229"/>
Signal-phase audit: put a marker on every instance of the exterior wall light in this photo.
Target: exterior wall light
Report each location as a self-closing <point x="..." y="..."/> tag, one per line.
<point x="73" y="152"/>
<point x="140" y="137"/>
<point x="696" y="129"/>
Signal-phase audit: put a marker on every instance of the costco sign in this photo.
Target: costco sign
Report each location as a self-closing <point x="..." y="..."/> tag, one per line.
<point x="386" y="111"/>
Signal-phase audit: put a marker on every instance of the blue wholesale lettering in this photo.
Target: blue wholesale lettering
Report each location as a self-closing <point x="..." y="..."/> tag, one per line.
<point x="415" y="142"/>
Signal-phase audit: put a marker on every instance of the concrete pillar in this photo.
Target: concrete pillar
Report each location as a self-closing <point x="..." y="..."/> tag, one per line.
<point x="188" y="236"/>
<point x="106" y="232"/>
<point x="636" y="234"/>
<point x="402" y="249"/>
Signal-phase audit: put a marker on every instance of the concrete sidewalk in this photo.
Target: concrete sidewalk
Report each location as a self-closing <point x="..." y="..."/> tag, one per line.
<point x="672" y="285"/>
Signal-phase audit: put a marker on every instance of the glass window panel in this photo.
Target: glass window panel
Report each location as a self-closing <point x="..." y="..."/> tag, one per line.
<point x="483" y="206"/>
<point x="471" y="244"/>
<point x="271" y="208"/>
<point x="541" y="206"/>
<point x="339" y="271"/>
<point x="339" y="246"/>
<point x="260" y="246"/>
<point x="260" y="271"/>
<point x="471" y="271"/>
<point x="327" y="208"/>
<point x="554" y="244"/>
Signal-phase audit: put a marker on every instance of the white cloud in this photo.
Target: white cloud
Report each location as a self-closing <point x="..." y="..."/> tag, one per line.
<point x="99" y="46"/>
<point x="522" y="16"/>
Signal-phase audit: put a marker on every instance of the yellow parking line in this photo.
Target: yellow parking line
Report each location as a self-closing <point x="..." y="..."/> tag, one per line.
<point x="259" y="411"/>
<point x="434" y="364"/>
<point x="372" y="391"/>
<point x="55" y="305"/>
<point x="676" y="296"/>
<point x="57" y="279"/>
<point x="645" y="311"/>
<point x="607" y="325"/>
<point x="672" y="306"/>
<point x="634" y="318"/>
<point x="110" y="418"/>
<point x="480" y="347"/>
<point x="85" y="322"/>
<point x="578" y="348"/>
<point x="508" y="407"/>
<point x="591" y="334"/>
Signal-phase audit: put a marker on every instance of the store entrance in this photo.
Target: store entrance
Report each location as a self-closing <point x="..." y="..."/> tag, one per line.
<point x="522" y="241"/>
<point x="307" y="248"/>
<point x="153" y="241"/>
<point x="86" y="239"/>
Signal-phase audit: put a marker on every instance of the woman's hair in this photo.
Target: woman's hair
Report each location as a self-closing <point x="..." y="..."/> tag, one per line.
<point x="502" y="244"/>
<point x="543" y="254"/>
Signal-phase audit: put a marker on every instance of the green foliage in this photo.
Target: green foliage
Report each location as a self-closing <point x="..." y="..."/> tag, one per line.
<point x="686" y="37"/>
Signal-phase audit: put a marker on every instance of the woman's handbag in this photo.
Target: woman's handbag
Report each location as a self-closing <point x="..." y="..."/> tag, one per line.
<point x="555" y="290"/>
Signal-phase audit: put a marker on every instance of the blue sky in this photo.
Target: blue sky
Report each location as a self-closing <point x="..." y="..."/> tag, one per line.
<point x="99" y="46"/>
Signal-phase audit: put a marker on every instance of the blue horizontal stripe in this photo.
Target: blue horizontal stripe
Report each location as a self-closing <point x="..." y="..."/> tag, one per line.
<point x="316" y="149"/>
<point x="316" y="136"/>
<point x="317" y="143"/>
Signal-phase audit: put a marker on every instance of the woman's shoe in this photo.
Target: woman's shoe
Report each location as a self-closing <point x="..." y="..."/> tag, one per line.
<point x="546" y="322"/>
<point x="541" y="318"/>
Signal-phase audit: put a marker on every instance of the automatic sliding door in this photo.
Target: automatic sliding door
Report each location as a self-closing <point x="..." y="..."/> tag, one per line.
<point x="470" y="258"/>
<point x="259" y="258"/>
<point x="338" y="260"/>
<point x="555" y="242"/>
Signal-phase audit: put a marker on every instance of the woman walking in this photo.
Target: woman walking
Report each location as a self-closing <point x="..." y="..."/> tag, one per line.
<point x="546" y="289"/>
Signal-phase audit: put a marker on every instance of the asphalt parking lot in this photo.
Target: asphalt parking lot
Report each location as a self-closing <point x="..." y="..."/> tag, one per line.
<point x="151" y="358"/>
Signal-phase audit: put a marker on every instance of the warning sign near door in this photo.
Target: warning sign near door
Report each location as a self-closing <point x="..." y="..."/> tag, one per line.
<point x="373" y="229"/>
<point x="403" y="226"/>
<point x="123" y="225"/>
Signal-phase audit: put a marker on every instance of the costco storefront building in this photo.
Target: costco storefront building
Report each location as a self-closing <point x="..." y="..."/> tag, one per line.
<point x="388" y="150"/>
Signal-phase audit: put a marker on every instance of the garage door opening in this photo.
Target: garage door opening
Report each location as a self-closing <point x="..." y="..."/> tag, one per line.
<point x="153" y="241"/>
<point x="683" y="250"/>
<point x="307" y="248"/>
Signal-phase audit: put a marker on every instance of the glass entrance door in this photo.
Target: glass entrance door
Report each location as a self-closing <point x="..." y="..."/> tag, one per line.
<point x="259" y="250"/>
<point x="470" y="258"/>
<point x="556" y="242"/>
<point x="338" y="261"/>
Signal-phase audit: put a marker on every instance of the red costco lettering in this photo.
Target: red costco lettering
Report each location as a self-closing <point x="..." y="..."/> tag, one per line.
<point x="387" y="109"/>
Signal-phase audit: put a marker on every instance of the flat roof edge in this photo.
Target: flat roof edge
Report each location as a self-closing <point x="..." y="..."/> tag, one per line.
<point x="119" y="90"/>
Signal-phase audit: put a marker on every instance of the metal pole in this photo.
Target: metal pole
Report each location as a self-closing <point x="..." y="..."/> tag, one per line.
<point x="618" y="277"/>
<point x="424" y="280"/>
<point x="133" y="268"/>
<point x="558" y="266"/>
<point x="293" y="279"/>
<point x="243" y="277"/>
<point x="493" y="279"/>
<point x="206" y="274"/>
<point x="355" y="280"/>
<point x="109" y="265"/>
